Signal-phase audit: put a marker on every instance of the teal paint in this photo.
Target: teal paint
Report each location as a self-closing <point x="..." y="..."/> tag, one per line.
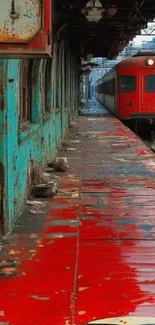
<point x="36" y="144"/>
<point x="3" y="137"/>
<point x="19" y="149"/>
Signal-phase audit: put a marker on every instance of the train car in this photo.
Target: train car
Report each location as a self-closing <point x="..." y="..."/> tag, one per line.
<point x="128" y="90"/>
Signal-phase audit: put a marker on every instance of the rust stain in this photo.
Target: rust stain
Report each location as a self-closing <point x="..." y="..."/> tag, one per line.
<point x="22" y="24"/>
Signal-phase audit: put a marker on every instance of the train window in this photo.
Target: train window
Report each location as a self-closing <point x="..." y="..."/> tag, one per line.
<point x="127" y="84"/>
<point x="113" y="86"/>
<point x="150" y="83"/>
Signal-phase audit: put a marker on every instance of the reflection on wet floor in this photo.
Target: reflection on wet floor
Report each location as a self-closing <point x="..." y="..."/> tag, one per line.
<point x="95" y="108"/>
<point x="89" y="253"/>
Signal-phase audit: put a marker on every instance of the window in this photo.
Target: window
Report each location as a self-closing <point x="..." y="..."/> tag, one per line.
<point x="46" y="85"/>
<point x="59" y="78"/>
<point x="43" y="84"/>
<point x="113" y="86"/>
<point x="127" y="84"/>
<point x="25" y="90"/>
<point x="67" y="78"/>
<point x="150" y="83"/>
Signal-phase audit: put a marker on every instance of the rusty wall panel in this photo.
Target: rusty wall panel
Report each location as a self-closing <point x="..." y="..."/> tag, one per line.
<point x="21" y="20"/>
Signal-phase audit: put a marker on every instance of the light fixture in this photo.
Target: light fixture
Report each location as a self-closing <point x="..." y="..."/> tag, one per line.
<point x="93" y="11"/>
<point x="150" y="62"/>
<point x="111" y="11"/>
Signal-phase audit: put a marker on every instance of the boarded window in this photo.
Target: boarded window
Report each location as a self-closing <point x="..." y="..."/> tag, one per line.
<point x="25" y="90"/>
<point x="48" y="85"/>
<point x="127" y="84"/>
<point x="150" y="83"/>
<point x="58" y="79"/>
<point x="43" y="85"/>
<point x="67" y="77"/>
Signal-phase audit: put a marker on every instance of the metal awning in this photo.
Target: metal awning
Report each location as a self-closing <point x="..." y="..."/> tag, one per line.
<point x="108" y="36"/>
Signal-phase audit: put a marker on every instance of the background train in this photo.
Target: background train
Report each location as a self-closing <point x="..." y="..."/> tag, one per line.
<point x="128" y="90"/>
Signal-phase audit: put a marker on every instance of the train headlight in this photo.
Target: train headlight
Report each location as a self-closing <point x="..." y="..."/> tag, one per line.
<point x="150" y="61"/>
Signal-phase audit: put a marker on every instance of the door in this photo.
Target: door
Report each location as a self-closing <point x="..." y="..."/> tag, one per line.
<point x="147" y="95"/>
<point x="127" y="95"/>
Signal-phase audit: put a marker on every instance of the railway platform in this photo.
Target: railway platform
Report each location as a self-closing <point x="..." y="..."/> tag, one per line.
<point x="89" y="253"/>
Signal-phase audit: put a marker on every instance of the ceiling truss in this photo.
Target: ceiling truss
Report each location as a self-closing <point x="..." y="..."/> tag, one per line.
<point x="109" y="36"/>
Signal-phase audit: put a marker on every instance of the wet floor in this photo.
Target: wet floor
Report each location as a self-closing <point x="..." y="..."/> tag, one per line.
<point x="89" y="252"/>
<point x="95" y="108"/>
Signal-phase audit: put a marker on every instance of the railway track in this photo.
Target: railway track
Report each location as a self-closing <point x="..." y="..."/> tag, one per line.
<point x="150" y="144"/>
<point x="149" y="140"/>
<point x="146" y="135"/>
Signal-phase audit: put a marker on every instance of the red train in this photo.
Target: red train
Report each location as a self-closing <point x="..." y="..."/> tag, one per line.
<point x="128" y="90"/>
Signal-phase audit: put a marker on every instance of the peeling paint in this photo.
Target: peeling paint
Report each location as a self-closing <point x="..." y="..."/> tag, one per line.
<point x="62" y="235"/>
<point x="66" y="222"/>
<point x="81" y="312"/>
<point x="36" y="297"/>
<point x="2" y="313"/>
<point x="83" y="289"/>
<point x="27" y="24"/>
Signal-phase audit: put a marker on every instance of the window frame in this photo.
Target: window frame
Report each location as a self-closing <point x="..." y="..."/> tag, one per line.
<point x="25" y="92"/>
<point x="59" y="78"/>
<point x="48" y="86"/>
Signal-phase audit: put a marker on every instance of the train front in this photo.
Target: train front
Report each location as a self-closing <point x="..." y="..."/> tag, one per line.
<point x="136" y="89"/>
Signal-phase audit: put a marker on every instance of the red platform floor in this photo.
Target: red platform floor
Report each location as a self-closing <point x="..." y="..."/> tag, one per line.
<point x="92" y="255"/>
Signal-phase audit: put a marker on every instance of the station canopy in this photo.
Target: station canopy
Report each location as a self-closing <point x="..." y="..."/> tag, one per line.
<point x="103" y="28"/>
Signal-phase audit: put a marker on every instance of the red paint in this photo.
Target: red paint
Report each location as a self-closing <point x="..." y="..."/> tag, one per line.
<point x="142" y="151"/>
<point x="46" y="276"/>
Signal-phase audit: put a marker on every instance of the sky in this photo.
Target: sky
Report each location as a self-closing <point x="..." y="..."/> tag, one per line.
<point x="141" y="38"/>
